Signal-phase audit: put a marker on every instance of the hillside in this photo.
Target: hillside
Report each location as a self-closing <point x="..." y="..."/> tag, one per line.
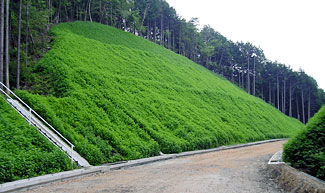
<point x="24" y="152"/>
<point x="117" y="96"/>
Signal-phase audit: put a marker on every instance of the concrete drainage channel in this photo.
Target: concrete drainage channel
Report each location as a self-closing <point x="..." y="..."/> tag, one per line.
<point x="292" y="180"/>
<point x="30" y="183"/>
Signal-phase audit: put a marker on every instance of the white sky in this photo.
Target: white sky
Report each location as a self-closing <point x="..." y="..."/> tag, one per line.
<point x="289" y="31"/>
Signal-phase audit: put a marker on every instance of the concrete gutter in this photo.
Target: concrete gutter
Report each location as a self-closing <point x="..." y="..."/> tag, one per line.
<point x="41" y="180"/>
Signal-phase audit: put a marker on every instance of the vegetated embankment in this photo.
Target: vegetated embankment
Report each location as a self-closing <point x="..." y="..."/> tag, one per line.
<point x="306" y="150"/>
<point x="24" y="152"/>
<point x="117" y="96"/>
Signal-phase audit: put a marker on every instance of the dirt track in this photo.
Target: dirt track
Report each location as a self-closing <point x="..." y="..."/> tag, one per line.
<point x="237" y="170"/>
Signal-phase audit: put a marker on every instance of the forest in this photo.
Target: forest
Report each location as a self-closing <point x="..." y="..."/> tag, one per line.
<point x="24" y="39"/>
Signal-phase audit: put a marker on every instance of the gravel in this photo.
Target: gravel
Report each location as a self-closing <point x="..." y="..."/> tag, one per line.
<point x="235" y="170"/>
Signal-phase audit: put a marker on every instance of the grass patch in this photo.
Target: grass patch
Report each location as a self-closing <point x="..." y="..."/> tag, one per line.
<point x="24" y="152"/>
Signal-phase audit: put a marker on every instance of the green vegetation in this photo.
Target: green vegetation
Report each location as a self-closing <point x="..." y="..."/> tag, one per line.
<point x="24" y="152"/>
<point x="307" y="150"/>
<point x="117" y="96"/>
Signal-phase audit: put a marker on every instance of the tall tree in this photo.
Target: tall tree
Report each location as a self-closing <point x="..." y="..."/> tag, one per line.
<point x="278" y="90"/>
<point x="7" y="43"/>
<point x="248" y="76"/>
<point x="89" y="11"/>
<point x="297" y="105"/>
<point x="27" y="34"/>
<point x="284" y="97"/>
<point x="18" y="46"/>
<point x="292" y="78"/>
<point x="1" y="38"/>
<point x="303" y="105"/>
<point x="254" y="74"/>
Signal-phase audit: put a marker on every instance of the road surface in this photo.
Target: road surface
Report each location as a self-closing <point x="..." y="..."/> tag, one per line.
<point x="236" y="170"/>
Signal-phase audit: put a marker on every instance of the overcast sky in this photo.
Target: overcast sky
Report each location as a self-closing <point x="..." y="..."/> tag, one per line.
<point x="289" y="31"/>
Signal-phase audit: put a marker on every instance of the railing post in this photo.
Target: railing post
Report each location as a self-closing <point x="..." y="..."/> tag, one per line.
<point x="71" y="155"/>
<point x="30" y="116"/>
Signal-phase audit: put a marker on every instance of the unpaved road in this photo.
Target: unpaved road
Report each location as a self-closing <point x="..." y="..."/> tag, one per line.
<point x="236" y="170"/>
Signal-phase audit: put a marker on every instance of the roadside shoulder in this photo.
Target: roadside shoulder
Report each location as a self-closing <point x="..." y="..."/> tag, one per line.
<point x="293" y="180"/>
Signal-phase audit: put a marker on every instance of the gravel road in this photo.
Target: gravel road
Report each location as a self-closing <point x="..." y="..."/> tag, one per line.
<point x="236" y="170"/>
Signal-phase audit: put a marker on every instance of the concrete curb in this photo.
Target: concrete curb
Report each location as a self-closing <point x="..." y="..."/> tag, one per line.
<point x="292" y="180"/>
<point x="189" y="153"/>
<point x="37" y="181"/>
<point x="143" y="161"/>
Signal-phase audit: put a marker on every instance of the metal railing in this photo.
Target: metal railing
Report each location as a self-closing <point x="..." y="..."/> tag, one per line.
<point x="30" y="113"/>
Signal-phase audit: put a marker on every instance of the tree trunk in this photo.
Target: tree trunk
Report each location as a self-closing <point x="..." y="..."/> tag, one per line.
<point x="1" y="38"/>
<point x="270" y="93"/>
<point x="298" y="116"/>
<point x="18" y="46"/>
<point x="232" y="76"/>
<point x="169" y="39"/>
<point x="290" y="98"/>
<point x="183" y="52"/>
<point x="154" y="31"/>
<point x="27" y="30"/>
<point x="48" y="12"/>
<point x="100" y="12"/>
<point x="254" y="80"/>
<point x="66" y="13"/>
<point x="220" y="61"/>
<point x="284" y="96"/>
<point x="207" y="61"/>
<point x="144" y="17"/>
<point x="148" y="30"/>
<point x="77" y="11"/>
<point x="278" y="90"/>
<point x="282" y="100"/>
<point x="308" y="106"/>
<point x="89" y="6"/>
<point x="248" y="77"/>
<point x="134" y="28"/>
<point x="262" y="89"/>
<point x="49" y="9"/>
<point x="111" y="14"/>
<point x="303" y="106"/>
<point x="242" y="80"/>
<point x="179" y="39"/>
<point x="239" y="84"/>
<point x="59" y="12"/>
<point x="7" y="43"/>
<point x="162" y="30"/>
<point x="86" y="11"/>
<point x="274" y="98"/>
<point x="173" y="41"/>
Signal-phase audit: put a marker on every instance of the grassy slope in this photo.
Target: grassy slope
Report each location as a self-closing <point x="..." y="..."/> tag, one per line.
<point x="24" y="152"/>
<point x="117" y="96"/>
